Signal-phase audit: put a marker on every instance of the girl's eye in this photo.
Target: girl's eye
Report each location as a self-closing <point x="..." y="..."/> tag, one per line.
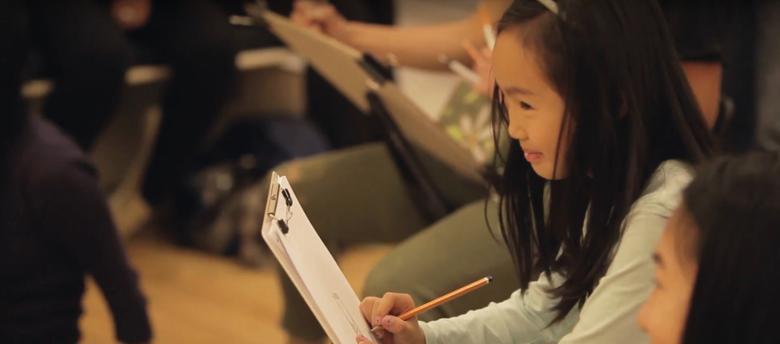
<point x="526" y="106"/>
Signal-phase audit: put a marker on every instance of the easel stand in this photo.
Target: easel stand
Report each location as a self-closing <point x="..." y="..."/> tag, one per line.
<point x="429" y="197"/>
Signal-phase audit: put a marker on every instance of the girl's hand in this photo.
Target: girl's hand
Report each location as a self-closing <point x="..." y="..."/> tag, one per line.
<point x="384" y="312"/>
<point x="320" y="16"/>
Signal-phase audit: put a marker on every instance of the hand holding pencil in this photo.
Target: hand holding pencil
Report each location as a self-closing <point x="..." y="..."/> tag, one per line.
<point x="321" y="16"/>
<point x="379" y="312"/>
<point x="394" y="316"/>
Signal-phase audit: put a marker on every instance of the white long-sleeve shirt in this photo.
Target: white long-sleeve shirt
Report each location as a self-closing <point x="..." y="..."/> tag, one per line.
<point x="609" y="314"/>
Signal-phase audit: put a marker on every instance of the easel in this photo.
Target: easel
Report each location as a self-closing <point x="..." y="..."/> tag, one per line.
<point x="406" y="157"/>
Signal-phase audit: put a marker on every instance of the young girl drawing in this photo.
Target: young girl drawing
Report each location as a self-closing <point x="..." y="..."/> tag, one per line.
<point x="604" y="128"/>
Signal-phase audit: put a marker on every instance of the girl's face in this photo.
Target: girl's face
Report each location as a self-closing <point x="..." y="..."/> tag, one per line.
<point x="664" y="314"/>
<point x="535" y="109"/>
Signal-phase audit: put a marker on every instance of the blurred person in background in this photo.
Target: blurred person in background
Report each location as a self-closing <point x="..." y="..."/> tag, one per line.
<point x="716" y="270"/>
<point x="88" y="45"/>
<point x="55" y="226"/>
<point x="768" y="75"/>
<point x="342" y="123"/>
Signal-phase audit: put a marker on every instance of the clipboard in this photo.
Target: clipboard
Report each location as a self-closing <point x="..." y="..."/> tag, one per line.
<point x="312" y="269"/>
<point x="332" y="59"/>
<point x="356" y="75"/>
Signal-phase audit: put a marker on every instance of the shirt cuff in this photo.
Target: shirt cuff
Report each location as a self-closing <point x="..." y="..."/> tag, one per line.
<point x="428" y="332"/>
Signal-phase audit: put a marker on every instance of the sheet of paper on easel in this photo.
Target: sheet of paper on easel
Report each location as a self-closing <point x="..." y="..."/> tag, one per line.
<point x="313" y="270"/>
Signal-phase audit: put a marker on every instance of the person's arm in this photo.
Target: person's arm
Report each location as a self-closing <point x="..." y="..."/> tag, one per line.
<point x="73" y="210"/>
<point x="609" y="314"/>
<point x="415" y="46"/>
<point x="524" y="317"/>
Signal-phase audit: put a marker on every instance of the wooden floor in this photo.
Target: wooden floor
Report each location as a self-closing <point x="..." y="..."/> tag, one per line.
<point x="194" y="297"/>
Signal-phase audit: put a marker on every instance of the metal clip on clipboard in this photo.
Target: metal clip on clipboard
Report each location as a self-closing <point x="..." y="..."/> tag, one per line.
<point x="273" y="201"/>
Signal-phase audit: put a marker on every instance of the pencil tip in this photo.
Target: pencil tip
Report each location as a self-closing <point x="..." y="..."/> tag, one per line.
<point x="490" y="278"/>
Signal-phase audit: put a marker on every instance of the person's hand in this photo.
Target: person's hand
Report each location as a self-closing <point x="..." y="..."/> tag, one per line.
<point x="320" y="16"/>
<point x="482" y="65"/>
<point x="131" y="14"/>
<point x="384" y="312"/>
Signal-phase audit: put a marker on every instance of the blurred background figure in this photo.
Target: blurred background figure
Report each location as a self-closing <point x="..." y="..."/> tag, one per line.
<point x="341" y="122"/>
<point x="55" y="226"/>
<point x="702" y="243"/>
<point x="88" y="45"/>
<point x="768" y="75"/>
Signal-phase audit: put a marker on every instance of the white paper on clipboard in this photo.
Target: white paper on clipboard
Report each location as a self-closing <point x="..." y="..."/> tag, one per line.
<point x="310" y="265"/>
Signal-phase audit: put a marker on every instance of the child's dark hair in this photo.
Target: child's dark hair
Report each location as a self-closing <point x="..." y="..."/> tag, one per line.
<point x="630" y="107"/>
<point x="735" y="206"/>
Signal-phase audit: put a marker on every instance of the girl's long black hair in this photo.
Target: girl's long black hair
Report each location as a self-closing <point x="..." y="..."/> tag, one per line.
<point x="630" y="108"/>
<point x="735" y="206"/>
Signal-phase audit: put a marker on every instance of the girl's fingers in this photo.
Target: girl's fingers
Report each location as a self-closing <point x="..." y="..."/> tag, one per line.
<point x="394" y="324"/>
<point x="383" y="312"/>
<point x="391" y="303"/>
<point x="406" y="332"/>
<point x="367" y="308"/>
<point x="362" y="340"/>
